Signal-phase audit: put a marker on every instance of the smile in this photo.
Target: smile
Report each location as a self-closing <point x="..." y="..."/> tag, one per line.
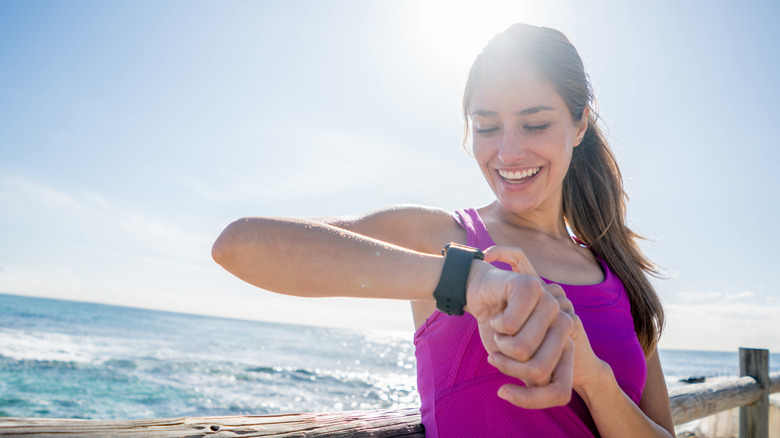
<point x="518" y="176"/>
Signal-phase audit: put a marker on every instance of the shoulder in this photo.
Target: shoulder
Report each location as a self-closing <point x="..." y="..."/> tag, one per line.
<point x="421" y="228"/>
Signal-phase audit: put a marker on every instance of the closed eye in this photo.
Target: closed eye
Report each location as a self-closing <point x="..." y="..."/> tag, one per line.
<point x="536" y="127"/>
<point x="485" y="130"/>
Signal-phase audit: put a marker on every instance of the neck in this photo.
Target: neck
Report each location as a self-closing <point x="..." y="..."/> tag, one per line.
<point x="549" y="221"/>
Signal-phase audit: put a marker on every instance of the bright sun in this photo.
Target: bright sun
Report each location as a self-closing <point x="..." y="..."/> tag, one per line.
<point x="452" y="32"/>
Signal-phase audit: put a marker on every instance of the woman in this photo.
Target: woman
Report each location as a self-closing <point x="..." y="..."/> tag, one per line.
<point x="560" y="330"/>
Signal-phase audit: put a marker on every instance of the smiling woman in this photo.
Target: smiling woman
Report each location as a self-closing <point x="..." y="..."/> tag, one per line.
<point x="542" y="334"/>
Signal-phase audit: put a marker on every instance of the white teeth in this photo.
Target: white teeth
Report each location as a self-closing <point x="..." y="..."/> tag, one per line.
<point x="519" y="174"/>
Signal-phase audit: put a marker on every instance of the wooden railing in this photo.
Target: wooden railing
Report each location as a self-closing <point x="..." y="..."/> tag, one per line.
<point x="362" y="424"/>
<point x="750" y="393"/>
<point x="691" y="402"/>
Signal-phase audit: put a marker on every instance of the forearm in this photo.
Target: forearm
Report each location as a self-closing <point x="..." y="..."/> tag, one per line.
<point x="305" y="258"/>
<point x="614" y="413"/>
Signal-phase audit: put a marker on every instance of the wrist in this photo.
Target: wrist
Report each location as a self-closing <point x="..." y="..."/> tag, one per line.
<point x="600" y="379"/>
<point x="476" y="272"/>
<point x="450" y="292"/>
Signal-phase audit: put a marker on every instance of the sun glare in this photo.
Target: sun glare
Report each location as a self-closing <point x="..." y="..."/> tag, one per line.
<point x="451" y="33"/>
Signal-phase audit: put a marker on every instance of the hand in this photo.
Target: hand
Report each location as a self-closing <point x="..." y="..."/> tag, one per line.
<point x="523" y="329"/>
<point x="587" y="366"/>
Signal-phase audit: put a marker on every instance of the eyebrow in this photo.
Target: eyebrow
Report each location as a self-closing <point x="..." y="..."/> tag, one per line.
<point x="524" y="112"/>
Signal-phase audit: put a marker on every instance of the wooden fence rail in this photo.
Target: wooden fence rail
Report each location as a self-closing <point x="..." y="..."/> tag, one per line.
<point x="361" y="424"/>
<point x="689" y="402"/>
<point x="699" y="400"/>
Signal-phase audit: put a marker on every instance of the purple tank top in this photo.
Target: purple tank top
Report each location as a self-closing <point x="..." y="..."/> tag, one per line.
<point x="458" y="386"/>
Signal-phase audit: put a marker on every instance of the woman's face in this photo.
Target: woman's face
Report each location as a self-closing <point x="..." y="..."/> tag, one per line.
<point x="523" y="135"/>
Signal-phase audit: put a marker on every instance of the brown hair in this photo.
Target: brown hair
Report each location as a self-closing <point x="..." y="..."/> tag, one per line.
<point x="594" y="202"/>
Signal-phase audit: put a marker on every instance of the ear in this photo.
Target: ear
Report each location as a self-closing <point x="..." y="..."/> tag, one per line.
<point x="582" y="127"/>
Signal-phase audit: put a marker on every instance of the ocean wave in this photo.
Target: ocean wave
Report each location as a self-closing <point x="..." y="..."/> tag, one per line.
<point x="104" y="362"/>
<point x="43" y="346"/>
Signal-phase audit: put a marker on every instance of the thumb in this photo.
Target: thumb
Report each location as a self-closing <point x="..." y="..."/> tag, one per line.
<point x="514" y="257"/>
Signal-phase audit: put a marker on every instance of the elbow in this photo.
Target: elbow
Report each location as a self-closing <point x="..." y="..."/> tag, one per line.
<point x="220" y="251"/>
<point x="226" y="246"/>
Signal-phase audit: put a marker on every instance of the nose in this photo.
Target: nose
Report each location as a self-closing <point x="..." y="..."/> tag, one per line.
<point x="512" y="148"/>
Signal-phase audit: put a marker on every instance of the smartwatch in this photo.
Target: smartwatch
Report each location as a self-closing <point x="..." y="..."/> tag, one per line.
<point x="450" y="293"/>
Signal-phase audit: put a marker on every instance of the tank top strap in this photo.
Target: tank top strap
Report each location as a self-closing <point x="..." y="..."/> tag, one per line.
<point x="476" y="233"/>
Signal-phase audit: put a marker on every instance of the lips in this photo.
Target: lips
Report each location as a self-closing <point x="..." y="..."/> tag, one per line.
<point x="518" y="176"/>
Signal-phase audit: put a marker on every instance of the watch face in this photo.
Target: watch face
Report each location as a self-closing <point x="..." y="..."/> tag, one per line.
<point x="477" y="252"/>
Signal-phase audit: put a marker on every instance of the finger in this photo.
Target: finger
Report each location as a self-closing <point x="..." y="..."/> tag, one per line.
<point x="522" y="344"/>
<point x="566" y="305"/>
<point x="554" y="289"/>
<point x="557" y="393"/>
<point x="557" y="291"/>
<point x="514" y="257"/>
<point x="523" y="294"/>
<point x="488" y="336"/>
<point x="578" y="330"/>
<point x="538" y="369"/>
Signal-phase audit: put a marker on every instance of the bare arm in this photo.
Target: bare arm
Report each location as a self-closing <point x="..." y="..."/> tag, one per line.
<point x="616" y="415"/>
<point x="309" y="258"/>
<point x="306" y="258"/>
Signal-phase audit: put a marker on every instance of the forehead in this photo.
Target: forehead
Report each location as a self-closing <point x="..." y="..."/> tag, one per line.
<point x="512" y="91"/>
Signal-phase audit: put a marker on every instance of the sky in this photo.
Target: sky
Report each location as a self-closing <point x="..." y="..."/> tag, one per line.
<point x="133" y="132"/>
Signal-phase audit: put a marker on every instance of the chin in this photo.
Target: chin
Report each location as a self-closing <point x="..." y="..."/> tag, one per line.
<point x="517" y="206"/>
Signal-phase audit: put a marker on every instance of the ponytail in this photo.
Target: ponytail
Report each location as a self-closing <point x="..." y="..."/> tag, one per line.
<point x="594" y="206"/>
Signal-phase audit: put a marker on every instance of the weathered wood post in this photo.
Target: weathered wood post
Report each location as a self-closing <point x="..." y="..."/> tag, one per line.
<point x="754" y="418"/>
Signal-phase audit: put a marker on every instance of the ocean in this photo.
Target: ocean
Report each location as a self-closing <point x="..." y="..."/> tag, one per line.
<point x="69" y="359"/>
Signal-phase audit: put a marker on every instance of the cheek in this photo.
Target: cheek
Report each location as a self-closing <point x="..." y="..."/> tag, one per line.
<point x="550" y="139"/>
<point x="555" y="146"/>
<point x="482" y="157"/>
<point x="483" y="150"/>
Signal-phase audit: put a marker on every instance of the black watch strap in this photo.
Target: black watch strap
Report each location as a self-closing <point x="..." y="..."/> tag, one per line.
<point x="450" y="293"/>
